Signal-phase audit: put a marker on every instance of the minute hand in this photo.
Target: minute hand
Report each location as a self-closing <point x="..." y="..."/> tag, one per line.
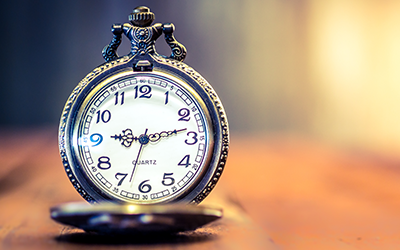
<point x="157" y="136"/>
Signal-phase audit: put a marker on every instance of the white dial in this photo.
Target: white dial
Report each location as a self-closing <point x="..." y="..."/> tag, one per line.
<point x="143" y="137"/>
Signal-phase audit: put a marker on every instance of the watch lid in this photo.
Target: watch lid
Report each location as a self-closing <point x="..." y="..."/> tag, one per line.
<point x="112" y="218"/>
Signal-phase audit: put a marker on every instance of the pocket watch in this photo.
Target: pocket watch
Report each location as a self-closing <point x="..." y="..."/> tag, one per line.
<point x="143" y="128"/>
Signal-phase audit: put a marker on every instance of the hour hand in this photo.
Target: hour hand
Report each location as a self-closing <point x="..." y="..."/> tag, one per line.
<point x="157" y="136"/>
<point x="126" y="137"/>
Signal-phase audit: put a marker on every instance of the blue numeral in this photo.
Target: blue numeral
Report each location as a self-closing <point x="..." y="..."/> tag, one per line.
<point x="96" y="138"/>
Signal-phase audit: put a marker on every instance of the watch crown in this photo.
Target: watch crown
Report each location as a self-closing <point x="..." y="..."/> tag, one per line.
<point x="141" y="16"/>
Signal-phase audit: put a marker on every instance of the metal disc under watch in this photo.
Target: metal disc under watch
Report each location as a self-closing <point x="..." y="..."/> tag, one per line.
<point x="111" y="218"/>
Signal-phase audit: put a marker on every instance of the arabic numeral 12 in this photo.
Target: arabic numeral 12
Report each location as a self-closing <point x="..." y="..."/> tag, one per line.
<point x="145" y="91"/>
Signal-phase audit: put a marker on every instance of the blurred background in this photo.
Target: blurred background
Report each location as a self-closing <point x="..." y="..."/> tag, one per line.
<point x="323" y="69"/>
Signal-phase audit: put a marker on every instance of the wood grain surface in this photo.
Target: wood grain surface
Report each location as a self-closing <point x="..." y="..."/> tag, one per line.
<point x="32" y="180"/>
<point x="277" y="192"/>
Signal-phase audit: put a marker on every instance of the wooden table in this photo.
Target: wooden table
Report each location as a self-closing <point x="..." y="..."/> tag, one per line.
<point x="278" y="192"/>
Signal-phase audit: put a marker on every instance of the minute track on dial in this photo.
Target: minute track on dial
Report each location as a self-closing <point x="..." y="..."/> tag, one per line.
<point x="127" y="137"/>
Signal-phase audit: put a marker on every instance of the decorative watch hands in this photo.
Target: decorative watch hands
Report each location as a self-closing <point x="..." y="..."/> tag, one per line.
<point x="127" y="138"/>
<point x="157" y="136"/>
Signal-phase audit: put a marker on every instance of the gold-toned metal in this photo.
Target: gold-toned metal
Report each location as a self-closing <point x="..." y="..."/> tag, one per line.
<point x="144" y="61"/>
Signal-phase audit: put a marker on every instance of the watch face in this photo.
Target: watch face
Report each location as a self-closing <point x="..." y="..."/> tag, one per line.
<point x="142" y="138"/>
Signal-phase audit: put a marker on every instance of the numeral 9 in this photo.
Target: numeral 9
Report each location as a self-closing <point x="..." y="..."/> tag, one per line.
<point x="96" y="138"/>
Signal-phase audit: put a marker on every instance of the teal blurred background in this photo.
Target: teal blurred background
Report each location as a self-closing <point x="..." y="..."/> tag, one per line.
<point x="323" y="69"/>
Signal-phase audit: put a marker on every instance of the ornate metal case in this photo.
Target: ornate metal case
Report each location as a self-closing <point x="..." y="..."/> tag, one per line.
<point x="143" y="60"/>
